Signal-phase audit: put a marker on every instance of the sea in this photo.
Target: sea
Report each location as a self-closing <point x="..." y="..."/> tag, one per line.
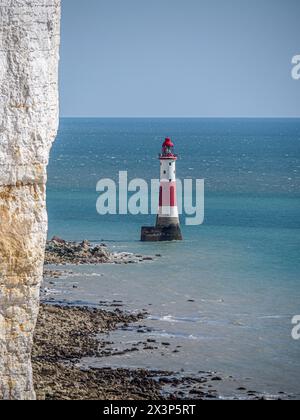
<point x="228" y="292"/>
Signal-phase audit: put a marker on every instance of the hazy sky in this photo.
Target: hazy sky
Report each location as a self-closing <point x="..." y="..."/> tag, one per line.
<point x="194" y="58"/>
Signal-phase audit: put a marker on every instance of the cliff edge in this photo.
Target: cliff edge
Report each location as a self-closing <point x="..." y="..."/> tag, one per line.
<point x="29" y="54"/>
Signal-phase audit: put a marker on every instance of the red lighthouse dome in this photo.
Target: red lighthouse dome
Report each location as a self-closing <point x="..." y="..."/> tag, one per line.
<point x="168" y="143"/>
<point x="168" y="150"/>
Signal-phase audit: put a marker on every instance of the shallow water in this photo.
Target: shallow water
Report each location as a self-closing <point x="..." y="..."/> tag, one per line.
<point x="228" y="292"/>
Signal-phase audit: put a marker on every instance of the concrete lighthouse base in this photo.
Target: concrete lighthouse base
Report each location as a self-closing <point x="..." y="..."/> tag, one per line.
<point x="161" y="234"/>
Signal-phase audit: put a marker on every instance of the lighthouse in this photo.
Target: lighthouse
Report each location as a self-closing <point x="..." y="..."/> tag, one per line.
<point x="167" y="222"/>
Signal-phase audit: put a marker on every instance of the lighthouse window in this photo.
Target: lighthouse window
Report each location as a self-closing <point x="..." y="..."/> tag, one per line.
<point x="165" y="172"/>
<point x="170" y="164"/>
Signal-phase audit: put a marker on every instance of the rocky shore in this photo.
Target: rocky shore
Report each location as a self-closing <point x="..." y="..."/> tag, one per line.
<point x="69" y="338"/>
<point x="61" y="252"/>
<point x="66" y="334"/>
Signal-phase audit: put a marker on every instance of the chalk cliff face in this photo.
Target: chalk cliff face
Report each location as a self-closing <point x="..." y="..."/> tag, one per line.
<point x="29" y="52"/>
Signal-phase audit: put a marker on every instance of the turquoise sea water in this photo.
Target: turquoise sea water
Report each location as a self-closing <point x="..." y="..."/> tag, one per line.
<point x="241" y="267"/>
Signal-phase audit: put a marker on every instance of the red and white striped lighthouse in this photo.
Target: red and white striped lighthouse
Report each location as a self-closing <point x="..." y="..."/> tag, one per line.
<point x="167" y="222"/>
<point x="168" y="210"/>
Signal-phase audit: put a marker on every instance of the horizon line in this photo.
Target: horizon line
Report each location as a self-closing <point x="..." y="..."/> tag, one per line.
<point x="182" y="117"/>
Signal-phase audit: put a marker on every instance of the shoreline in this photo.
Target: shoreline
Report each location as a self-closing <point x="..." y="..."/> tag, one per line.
<point x="72" y="335"/>
<point x="66" y="334"/>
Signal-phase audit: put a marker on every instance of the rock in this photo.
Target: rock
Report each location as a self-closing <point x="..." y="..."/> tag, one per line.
<point x="29" y="48"/>
<point x="85" y="245"/>
<point x="197" y="392"/>
<point x="58" y="240"/>
<point x="61" y="252"/>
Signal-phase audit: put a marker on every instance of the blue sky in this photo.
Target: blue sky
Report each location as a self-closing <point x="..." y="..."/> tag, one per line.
<point x="179" y="58"/>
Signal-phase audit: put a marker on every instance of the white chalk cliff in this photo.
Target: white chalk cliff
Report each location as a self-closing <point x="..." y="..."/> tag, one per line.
<point x="29" y="54"/>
